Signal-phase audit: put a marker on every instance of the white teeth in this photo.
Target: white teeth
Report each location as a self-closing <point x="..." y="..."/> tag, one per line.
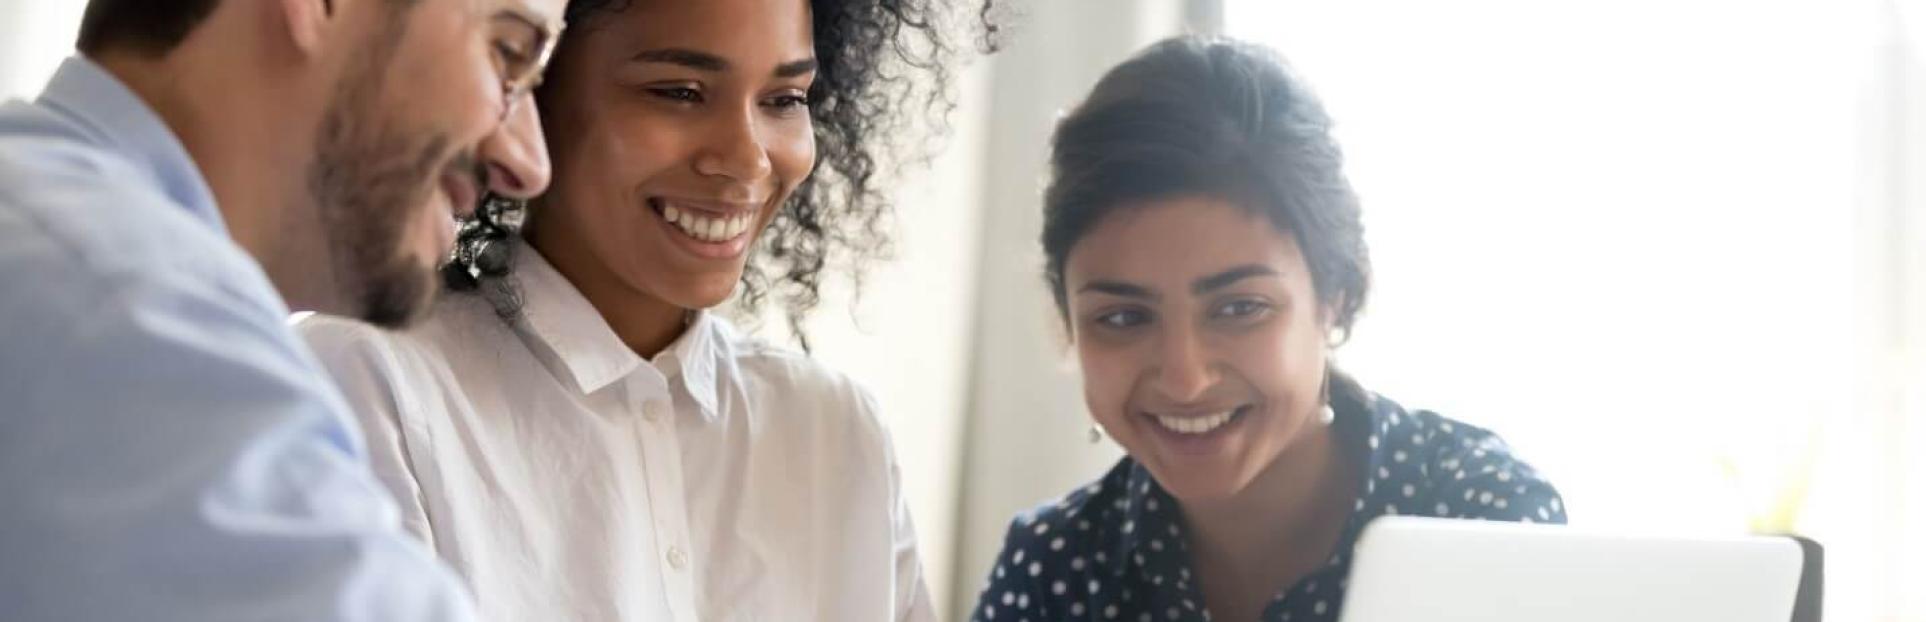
<point x="1195" y="425"/>
<point x="706" y="229"/>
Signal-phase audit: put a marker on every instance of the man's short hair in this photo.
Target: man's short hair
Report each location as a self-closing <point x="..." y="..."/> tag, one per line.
<point x="145" y="27"/>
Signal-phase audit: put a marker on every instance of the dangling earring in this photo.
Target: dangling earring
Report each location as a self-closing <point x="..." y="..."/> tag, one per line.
<point x="1326" y="413"/>
<point x="1096" y="433"/>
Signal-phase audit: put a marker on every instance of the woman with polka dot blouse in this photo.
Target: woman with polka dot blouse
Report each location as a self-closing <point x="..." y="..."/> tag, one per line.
<point x="1206" y="255"/>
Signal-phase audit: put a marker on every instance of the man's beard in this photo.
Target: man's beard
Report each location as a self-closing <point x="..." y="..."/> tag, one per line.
<point x="370" y="178"/>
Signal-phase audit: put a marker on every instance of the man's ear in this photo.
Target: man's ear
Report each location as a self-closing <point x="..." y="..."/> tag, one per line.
<point x="307" y="23"/>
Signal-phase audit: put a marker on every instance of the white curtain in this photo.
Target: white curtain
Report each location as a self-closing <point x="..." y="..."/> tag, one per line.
<point x="1670" y="248"/>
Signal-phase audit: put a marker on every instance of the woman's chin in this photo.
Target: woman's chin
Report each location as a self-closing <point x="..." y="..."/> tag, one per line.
<point x="1196" y="483"/>
<point x="704" y="293"/>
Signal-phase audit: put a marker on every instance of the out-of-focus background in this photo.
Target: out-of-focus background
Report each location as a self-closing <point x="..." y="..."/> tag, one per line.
<point x="1674" y="250"/>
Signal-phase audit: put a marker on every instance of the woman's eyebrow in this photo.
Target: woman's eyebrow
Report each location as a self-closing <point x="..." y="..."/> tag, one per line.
<point x="1226" y="278"/>
<point x="697" y="60"/>
<point x="796" y="68"/>
<point x="1119" y="288"/>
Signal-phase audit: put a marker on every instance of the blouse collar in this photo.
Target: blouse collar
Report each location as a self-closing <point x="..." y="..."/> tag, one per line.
<point x="581" y="346"/>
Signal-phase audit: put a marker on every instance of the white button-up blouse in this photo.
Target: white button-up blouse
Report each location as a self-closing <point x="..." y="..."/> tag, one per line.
<point x="568" y="478"/>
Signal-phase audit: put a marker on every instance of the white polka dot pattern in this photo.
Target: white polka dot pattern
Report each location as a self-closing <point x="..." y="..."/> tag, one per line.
<point x="1116" y="550"/>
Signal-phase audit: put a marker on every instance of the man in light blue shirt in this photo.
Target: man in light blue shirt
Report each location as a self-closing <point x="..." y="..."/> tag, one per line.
<point x="168" y="449"/>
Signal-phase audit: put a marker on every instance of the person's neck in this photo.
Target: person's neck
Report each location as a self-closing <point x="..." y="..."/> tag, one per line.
<point x="247" y="141"/>
<point x="1277" y="530"/>
<point x="645" y="323"/>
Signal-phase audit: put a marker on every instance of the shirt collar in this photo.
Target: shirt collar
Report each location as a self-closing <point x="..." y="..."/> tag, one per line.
<point x="704" y="360"/>
<point x="113" y="116"/>
<point x="1141" y="493"/>
<point x="559" y="319"/>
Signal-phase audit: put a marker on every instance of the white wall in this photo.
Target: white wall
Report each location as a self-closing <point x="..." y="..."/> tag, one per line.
<point x="34" y="36"/>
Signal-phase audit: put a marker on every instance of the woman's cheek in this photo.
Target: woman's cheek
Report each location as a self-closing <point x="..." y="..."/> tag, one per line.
<point x="1107" y="377"/>
<point x="793" y="156"/>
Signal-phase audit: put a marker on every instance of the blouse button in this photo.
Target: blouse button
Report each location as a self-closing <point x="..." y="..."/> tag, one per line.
<point x="651" y="412"/>
<point x="678" y="559"/>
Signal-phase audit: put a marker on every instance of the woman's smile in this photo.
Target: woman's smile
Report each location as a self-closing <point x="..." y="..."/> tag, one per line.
<point x="1197" y="433"/>
<point x="708" y="229"/>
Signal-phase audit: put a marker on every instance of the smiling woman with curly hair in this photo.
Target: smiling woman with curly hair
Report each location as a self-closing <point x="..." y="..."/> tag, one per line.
<point x="579" y="434"/>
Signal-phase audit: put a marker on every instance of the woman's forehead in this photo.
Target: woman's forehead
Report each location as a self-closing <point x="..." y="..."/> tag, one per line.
<point x="723" y="27"/>
<point x="1178" y="240"/>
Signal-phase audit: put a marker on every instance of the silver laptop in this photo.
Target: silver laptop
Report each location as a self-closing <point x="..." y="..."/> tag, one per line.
<point x="1437" y="570"/>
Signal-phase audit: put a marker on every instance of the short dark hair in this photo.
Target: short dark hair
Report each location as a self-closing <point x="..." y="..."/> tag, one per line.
<point x="1195" y="116"/>
<point x="146" y="27"/>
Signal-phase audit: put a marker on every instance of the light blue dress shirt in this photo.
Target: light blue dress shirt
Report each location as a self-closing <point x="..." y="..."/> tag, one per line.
<point x="169" y="450"/>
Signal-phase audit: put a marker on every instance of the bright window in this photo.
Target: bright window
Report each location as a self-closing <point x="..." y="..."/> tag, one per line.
<point x="1649" y="241"/>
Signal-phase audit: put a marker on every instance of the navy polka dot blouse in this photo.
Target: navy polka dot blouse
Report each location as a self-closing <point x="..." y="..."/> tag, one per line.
<point x="1115" y="550"/>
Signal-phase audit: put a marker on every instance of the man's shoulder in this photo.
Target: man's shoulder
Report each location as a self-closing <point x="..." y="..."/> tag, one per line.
<point x="91" y="246"/>
<point x="66" y="202"/>
<point x="79" y="223"/>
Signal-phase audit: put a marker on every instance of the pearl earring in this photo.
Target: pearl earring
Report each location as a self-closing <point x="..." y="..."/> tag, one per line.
<point x="1096" y="433"/>
<point x="1326" y="413"/>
